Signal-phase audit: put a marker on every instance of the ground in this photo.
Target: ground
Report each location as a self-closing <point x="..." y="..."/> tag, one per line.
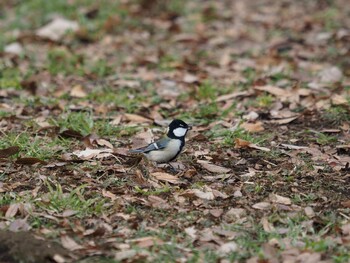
<point x="265" y="173"/>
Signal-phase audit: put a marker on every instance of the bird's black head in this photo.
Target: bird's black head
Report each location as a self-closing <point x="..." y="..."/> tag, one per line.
<point x="178" y="129"/>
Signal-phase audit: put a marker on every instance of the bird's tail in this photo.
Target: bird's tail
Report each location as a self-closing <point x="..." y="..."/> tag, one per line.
<point x="136" y="151"/>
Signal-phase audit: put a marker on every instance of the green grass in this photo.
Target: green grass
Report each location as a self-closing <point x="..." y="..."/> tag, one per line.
<point x="57" y="201"/>
<point x="44" y="148"/>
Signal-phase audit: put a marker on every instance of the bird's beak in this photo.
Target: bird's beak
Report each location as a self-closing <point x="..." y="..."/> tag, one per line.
<point x="189" y="128"/>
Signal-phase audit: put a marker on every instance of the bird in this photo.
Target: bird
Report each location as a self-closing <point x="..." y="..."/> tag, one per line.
<point x="169" y="147"/>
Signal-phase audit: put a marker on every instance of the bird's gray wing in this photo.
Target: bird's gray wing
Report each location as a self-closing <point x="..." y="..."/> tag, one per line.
<point x="158" y="145"/>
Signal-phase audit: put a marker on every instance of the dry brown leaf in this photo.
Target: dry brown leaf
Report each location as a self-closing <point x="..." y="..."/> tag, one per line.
<point x="227" y="248"/>
<point x="309" y="212"/>
<point x="69" y="243"/>
<point x="268" y="227"/>
<point x="134" y="118"/>
<point x="276" y="91"/>
<point x="234" y="213"/>
<point x="192" y="232"/>
<point x="339" y="100"/>
<point x="103" y="142"/>
<point x="216" y="212"/>
<point x="346" y="203"/>
<point x="19" y="225"/>
<point x="284" y="120"/>
<point x="78" y="92"/>
<point x="88" y="154"/>
<point x="212" y="167"/>
<point x="71" y="134"/>
<point x="253" y="127"/>
<point x="262" y="206"/>
<point x="239" y="143"/>
<point x="293" y="147"/>
<point x="56" y="29"/>
<point x="12" y="210"/>
<point x="122" y="255"/>
<point x="108" y="194"/>
<point x="232" y="96"/>
<point x="274" y="198"/>
<point x="7" y="152"/>
<point x="207" y="195"/>
<point x="166" y="177"/>
<point x="158" y="202"/>
<point x="29" y="161"/>
<point x="145" y="242"/>
<point x="189" y="78"/>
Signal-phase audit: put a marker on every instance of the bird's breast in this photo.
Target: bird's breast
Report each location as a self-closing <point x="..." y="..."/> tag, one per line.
<point x="168" y="153"/>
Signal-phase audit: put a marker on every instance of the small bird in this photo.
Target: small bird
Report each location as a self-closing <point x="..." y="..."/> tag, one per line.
<point x="169" y="147"/>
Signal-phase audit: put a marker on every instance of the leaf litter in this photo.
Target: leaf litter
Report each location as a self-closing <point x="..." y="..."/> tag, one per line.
<point x="267" y="92"/>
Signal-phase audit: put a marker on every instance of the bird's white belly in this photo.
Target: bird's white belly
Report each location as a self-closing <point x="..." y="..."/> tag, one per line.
<point x="166" y="154"/>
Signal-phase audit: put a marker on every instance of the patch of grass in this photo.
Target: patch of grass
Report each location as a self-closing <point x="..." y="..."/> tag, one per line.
<point x="207" y="91"/>
<point x="125" y="98"/>
<point x="100" y="68"/>
<point x="206" y="112"/>
<point x="148" y="192"/>
<point x="43" y="148"/>
<point x="337" y="114"/>
<point x="329" y="17"/>
<point x="57" y="201"/>
<point x="265" y="101"/>
<point x="325" y="139"/>
<point x="62" y="61"/>
<point x="9" y="78"/>
<point x="77" y="121"/>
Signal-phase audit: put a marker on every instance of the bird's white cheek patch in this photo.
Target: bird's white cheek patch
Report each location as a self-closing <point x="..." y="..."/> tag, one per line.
<point x="179" y="132"/>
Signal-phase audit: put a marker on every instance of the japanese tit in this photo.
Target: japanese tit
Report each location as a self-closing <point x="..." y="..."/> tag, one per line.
<point x="168" y="148"/>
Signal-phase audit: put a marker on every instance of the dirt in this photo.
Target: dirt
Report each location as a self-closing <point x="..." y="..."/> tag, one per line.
<point x="25" y="247"/>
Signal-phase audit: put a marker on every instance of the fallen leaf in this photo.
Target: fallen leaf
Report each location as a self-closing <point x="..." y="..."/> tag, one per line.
<point x="208" y="195"/>
<point x="69" y="133"/>
<point x="339" y="100"/>
<point x="103" y="142"/>
<point x="56" y="29"/>
<point x="145" y="242"/>
<point x="122" y="255"/>
<point x="192" y="232"/>
<point x="267" y="226"/>
<point x="19" y="225"/>
<point x="78" y="92"/>
<point x="216" y="212"/>
<point x="239" y="143"/>
<point x="212" y="167"/>
<point x="69" y="212"/>
<point x="7" y="152"/>
<point x="134" y="118"/>
<point x="29" y="161"/>
<point x="12" y="210"/>
<point x="330" y="75"/>
<point x="346" y="203"/>
<point x="232" y="96"/>
<point x="166" y="177"/>
<point x="262" y="206"/>
<point x="235" y="213"/>
<point x="69" y="243"/>
<point x="293" y="147"/>
<point x="274" y="198"/>
<point x="88" y="154"/>
<point x="284" y="120"/>
<point x="253" y="127"/>
<point x="309" y="212"/>
<point x="227" y="248"/>
<point x="276" y="91"/>
<point x="108" y="194"/>
<point x="189" y="78"/>
<point x="14" y="48"/>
